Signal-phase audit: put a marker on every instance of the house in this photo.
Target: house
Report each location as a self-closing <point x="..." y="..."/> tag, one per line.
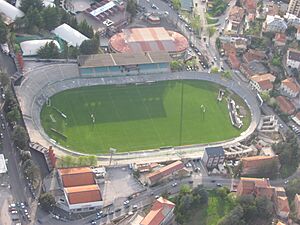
<point x="290" y="87"/>
<point x="213" y="156"/>
<point x="280" y="39"/>
<point x="81" y="192"/>
<point x="262" y="82"/>
<point x="252" y="165"/>
<point x="233" y="61"/>
<point x="164" y="173"/>
<point x="253" y="68"/>
<point x="293" y="58"/>
<point x="254" y="55"/>
<point x="281" y="203"/>
<point x="229" y="48"/>
<point x="296" y="118"/>
<point x="297" y="206"/>
<point x="259" y="187"/>
<point x="235" y="20"/>
<point x="285" y="105"/>
<point x="161" y="213"/>
<point x="274" y="24"/>
<point x="250" y="7"/>
<point x="292" y="20"/>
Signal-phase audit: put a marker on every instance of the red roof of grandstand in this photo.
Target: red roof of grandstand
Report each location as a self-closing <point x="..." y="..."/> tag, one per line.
<point x="166" y="170"/>
<point x="83" y="194"/>
<point x="148" y="40"/>
<point x="158" y="212"/>
<point x="76" y="176"/>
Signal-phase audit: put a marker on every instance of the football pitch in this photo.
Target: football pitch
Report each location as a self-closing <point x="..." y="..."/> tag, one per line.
<point x="138" y="117"/>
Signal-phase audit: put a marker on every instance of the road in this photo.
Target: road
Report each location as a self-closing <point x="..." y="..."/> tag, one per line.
<point x="7" y="64"/>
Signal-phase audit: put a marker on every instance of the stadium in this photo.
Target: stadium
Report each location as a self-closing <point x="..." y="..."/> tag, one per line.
<point x="152" y="103"/>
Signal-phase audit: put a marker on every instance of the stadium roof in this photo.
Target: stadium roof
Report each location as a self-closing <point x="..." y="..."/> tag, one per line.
<point x="31" y="47"/>
<point x="9" y="12"/>
<point x="70" y="35"/>
<point x="103" y="8"/>
<point x="123" y="59"/>
<point x="148" y="40"/>
<point x="3" y="168"/>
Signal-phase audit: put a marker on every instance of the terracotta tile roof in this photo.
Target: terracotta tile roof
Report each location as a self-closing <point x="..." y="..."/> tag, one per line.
<point x="255" y="186"/>
<point x="76" y="176"/>
<point x="290" y="84"/>
<point x="83" y="194"/>
<point x="253" y="163"/>
<point x="264" y="81"/>
<point x="283" y="204"/>
<point x="158" y="212"/>
<point x="229" y="48"/>
<point x="236" y="14"/>
<point x="298" y="115"/>
<point x="265" y="85"/>
<point x="234" y="61"/>
<point x="285" y="105"/>
<point x="250" y="5"/>
<point x="252" y="55"/>
<point x="165" y="171"/>
<point x="280" y="37"/>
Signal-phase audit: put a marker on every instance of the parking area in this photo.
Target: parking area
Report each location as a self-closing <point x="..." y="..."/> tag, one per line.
<point x="118" y="185"/>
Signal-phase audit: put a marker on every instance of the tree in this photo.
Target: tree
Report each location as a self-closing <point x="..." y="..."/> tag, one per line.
<point x="3" y="32"/>
<point x="214" y="69"/>
<point x="51" y="17"/>
<point x="31" y="171"/>
<point x="247" y="202"/>
<point x="200" y="195"/>
<point x="26" y="4"/>
<point x="49" y="51"/>
<point x="264" y="207"/>
<point x="89" y="47"/>
<point x="25" y="155"/>
<point x="20" y="137"/>
<point x="177" y="5"/>
<point x="176" y="65"/>
<point x="4" y="79"/>
<point x="13" y="115"/>
<point x="235" y="217"/>
<point x="47" y="201"/>
<point x="227" y="74"/>
<point x="86" y="29"/>
<point x="131" y="7"/>
<point x="34" y="20"/>
<point x="293" y="188"/>
<point x="265" y="96"/>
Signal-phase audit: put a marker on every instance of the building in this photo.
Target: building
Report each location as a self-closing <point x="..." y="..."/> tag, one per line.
<point x="274" y="24"/>
<point x="290" y="87"/>
<point x="186" y="5"/>
<point x="293" y="59"/>
<point x="262" y="82"/>
<point x="9" y="13"/>
<point x="297" y="206"/>
<point x="294" y="7"/>
<point x="259" y="187"/>
<point x="164" y="173"/>
<point x="233" y="61"/>
<point x="292" y="20"/>
<point x="3" y="167"/>
<point x="31" y="48"/>
<point x="253" y="68"/>
<point x="254" y="55"/>
<point x="124" y="64"/>
<point x="161" y="213"/>
<point x="285" y="105"/>
<point x="213" y="156"/>
<point x="81" y="192"/>
<point x="280" y="40"/>
<point x="252" y="165"/>
<point x="281" y="203"/>
<point x="153" y="39"/>
<point x="70" y="35"/>
<point x="235" y="20"/>
<point x="296" y="118"/>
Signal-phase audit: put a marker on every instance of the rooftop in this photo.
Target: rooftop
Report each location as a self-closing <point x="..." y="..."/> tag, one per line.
<point x="236" y="14"/>
<point x="294" y="55"/>
<point x="280" y="37"/>
<point x="76" y="176"/>
<point x="160" y="209"/>
<point x="3" y="168"/>
<point x="285" y="105"/>
<point x="290" y="84"/>
<point x="9" y="12"/>
<point x="213" y="151"/>
<point x="123" y="59"/>
<point x="83" y="194"/>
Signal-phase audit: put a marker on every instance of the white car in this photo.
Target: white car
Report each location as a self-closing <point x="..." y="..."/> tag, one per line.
<point x="126" y="202"/>
<point x="174" y="185"/>
<point x="5" y="48"/>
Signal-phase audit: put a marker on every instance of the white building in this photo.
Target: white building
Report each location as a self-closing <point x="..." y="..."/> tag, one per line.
<point x="292" y="20"/>
<point x="290" y="87"/>
<point x="274" y="24"/>
<point x="70" y="35"/>
<point x="30" y="48"/>
<point x="262" y="82"/>
<point x="3" y="167"/>
<point x="9" y="12"/>
<point x="293" y="58"/>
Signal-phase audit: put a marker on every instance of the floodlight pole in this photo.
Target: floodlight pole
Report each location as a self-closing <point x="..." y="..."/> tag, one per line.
<point x="112" y="151"/>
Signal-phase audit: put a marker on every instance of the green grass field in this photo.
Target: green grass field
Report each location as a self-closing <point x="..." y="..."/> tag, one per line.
<point x="138" y="117"/>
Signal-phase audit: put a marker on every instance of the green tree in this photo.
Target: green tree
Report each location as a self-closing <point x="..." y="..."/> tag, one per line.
<point x="177" y="5"/>
<point x="214" y="69"/>
<point x="211" y="31"/>
<point x="89" y="47"/>
<point x="86" y="29"/>
<point x="34" y="20"/>
<point x="235" y="217"/>
<point x="3" y="32"/>
<point x="227" y="74"/>
<point x="47" y="201"/>
<point x="264" y="207"/>
<point x="51" y="17"/>
<point x="176" y="65"/>
<point x="265" y="95"/>
<point x="13" y="115"/>
<point x="4" y="79"/>
<point x="293" y="188"/>
<point x="131" y="7"/>
<point x="20" y="137"/>
<point x="31" y="171"/>
<point x="26" y="4"/>
<point x="49" y="51"/>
